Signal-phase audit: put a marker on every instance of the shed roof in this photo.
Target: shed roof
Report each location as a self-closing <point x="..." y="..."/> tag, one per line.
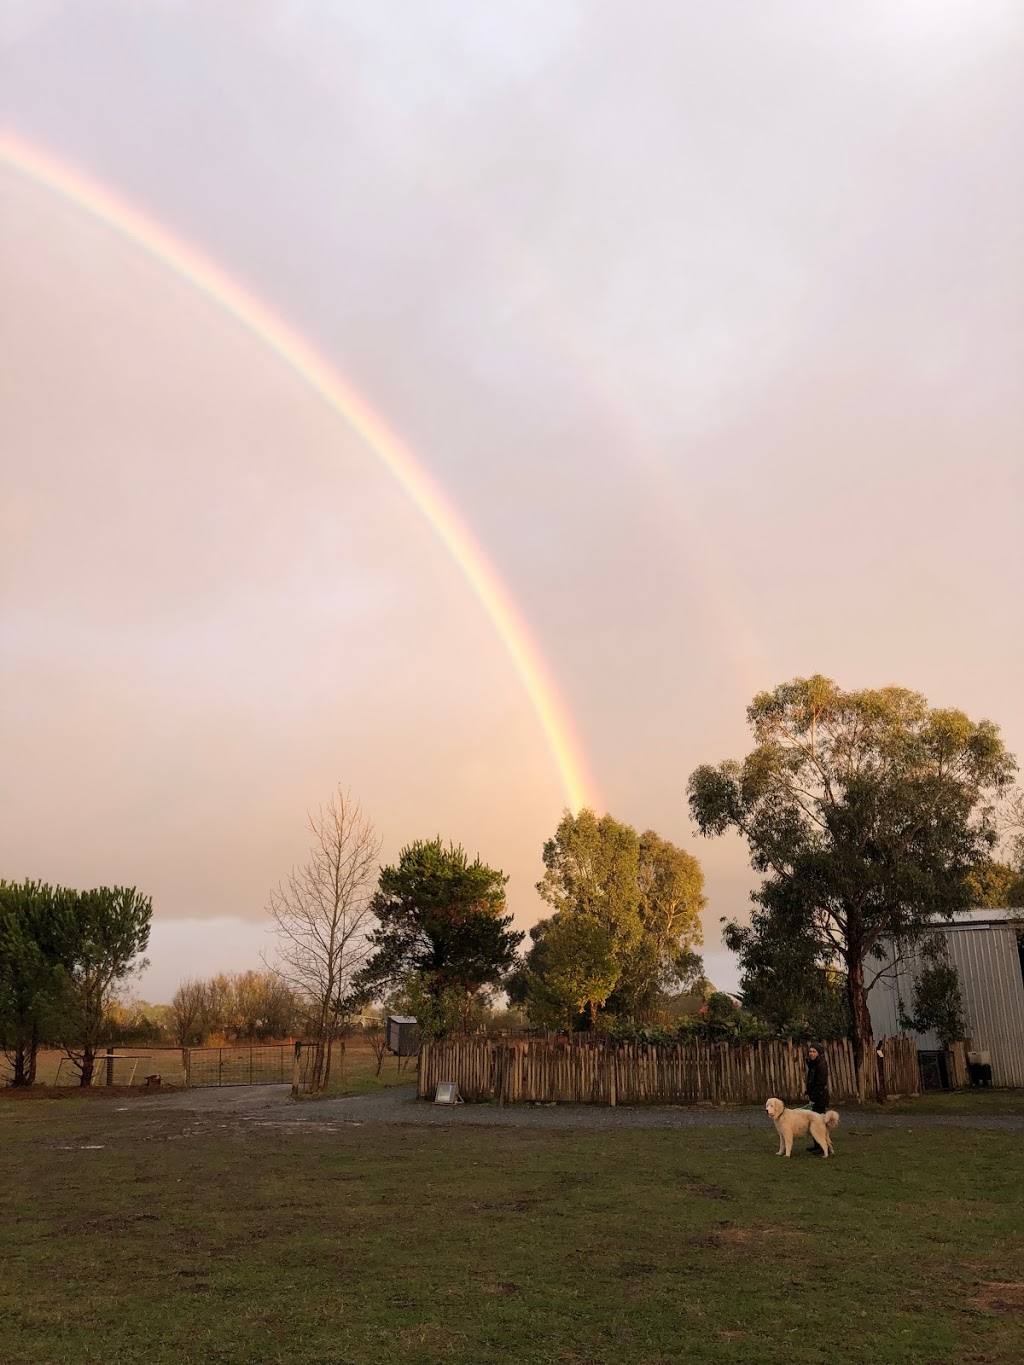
<point x="979" y="919"/>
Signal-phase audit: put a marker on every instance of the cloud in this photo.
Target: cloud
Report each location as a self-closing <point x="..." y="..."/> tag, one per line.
<point x="201" y="948"/>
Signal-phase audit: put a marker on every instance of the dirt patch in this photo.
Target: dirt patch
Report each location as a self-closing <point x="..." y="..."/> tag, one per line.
<point x="521" y="1205"/>
<point x="505" y="1206"/>
<point x="701" y="1188"/>
<point x="112" y="1225"/>
<point x="1000" y="1296"/>
<point x="728" y="1237"/>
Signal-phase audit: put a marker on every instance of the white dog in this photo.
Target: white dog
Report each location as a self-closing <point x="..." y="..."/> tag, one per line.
<point x="791" y="1123"/>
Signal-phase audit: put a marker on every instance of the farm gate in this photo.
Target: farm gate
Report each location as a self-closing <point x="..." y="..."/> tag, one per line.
<point x="256" y="1064"/>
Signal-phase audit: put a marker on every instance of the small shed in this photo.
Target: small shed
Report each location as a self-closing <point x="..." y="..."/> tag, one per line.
<point x="403" y="1035"/>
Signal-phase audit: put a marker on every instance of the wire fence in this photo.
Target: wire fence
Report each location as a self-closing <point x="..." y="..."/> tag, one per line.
<point x="256" y="1064"/>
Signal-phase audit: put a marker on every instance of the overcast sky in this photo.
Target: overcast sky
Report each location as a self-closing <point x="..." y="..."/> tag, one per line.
<point x="708" y="318"/>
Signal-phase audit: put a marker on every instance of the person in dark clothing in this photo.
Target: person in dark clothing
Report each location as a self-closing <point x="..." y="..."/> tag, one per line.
<point x="817" y="1084"/>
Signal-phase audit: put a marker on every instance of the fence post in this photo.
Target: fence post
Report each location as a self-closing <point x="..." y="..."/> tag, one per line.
<point x="421" y="1077"/>
<point x="613" y="1075"/>
<point x="110" y="1066"/>
<point x="956" y="1065"/>
<point x="187" y="1058"/>
<point x="220" y="1066"/>
<point x="295" y="1071"/>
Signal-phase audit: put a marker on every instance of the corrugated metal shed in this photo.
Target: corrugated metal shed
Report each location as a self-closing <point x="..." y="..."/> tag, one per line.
<point x="983" y="947"/>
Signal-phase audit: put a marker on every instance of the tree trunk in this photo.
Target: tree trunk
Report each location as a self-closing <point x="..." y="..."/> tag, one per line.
<point x="88" y="1061"/>
<point x="323" y="1046"/>
<point x="316" y="1074"/>
<point x="21" y="1065"/>
<point x="860" y="1029"/>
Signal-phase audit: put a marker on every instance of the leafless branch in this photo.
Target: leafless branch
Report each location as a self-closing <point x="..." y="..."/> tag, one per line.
<point x="322" y="917"/>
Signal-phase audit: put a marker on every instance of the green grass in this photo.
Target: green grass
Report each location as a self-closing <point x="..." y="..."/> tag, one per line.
<point x="181" y="1241"/>
<point x="356" y="1073"/>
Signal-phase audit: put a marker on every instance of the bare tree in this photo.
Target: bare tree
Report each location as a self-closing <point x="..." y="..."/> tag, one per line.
<point x="242" y="1006"/>
<point x="263" y="1006"/>
<point x="218" y="1006"/>
<point x="188" y="1007"/>
<point x="323" y="917"/>
<point x="378" y="1040"/>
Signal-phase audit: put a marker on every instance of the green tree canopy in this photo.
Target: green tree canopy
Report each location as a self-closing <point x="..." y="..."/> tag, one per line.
<point x="108" y="932"/>
<point x="62" y="953"/>
<point x="628" y="906"/>
<point x="34" y="938"/>
<point x="442" y="917"/>
<point x="996" y="885"/>
<point x="592" y="868"/>
<point x="865" y="812"/>
<point x="569" y="972"/>
<point x="671" y="884"/>
<point x="786" y="979"/>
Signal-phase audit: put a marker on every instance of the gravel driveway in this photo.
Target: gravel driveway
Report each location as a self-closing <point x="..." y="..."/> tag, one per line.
<point x="272" y="1106"/>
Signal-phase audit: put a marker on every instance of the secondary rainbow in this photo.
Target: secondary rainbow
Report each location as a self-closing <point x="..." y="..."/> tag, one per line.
<point x="228" y="294"/>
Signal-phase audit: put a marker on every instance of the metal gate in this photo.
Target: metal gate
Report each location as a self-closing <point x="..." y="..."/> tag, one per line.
<point x="259" y="1064"/>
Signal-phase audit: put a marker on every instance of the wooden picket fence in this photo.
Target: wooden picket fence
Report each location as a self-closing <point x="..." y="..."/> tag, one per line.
<point x="956" y="1065"/>
<point x="584" y="1070"/>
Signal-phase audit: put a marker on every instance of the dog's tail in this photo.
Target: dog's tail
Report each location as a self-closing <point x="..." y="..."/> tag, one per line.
<point x="831" y="1119"/>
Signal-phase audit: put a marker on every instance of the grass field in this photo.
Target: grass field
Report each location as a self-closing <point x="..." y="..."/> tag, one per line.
<point x="52" y="1065"/>
<point x="134" y="1237"/>
<point x="354" y="1069"/>
<point x="356" y="1072"/>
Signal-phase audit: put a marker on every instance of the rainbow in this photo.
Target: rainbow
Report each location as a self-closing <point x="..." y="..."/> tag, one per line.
<point x="338" y="393"/>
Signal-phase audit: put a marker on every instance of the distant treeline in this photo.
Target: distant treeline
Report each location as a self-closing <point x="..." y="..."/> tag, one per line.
<point x="235" y="1007"/>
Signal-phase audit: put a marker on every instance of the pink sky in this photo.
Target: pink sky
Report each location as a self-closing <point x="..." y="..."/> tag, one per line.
<point x="710" y="326"/>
